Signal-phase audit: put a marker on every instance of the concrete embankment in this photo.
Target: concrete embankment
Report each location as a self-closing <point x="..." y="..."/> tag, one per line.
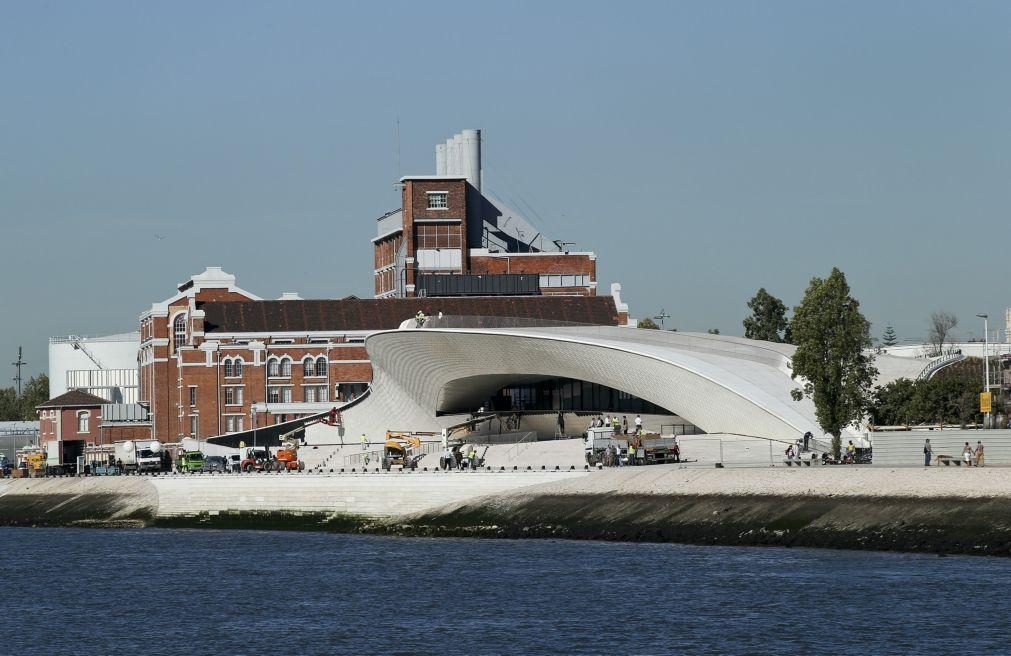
<point x="118" y="501"/>
<point x="933" y="510"/>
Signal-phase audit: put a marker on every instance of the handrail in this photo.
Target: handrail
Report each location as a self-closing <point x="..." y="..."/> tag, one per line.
<point x="932" y="368"/>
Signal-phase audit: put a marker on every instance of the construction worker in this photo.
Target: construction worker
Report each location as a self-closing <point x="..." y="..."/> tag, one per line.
<point x="365" y="442"/>
<point x="472" y="456"/>
<point x="631" y="453"/>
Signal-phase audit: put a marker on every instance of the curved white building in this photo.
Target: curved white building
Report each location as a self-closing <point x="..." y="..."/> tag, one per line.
<point x="427" y="379"/>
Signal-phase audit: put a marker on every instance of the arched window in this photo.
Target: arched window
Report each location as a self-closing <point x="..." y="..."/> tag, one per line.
<point x="82" y="421"/>
<point x="273" y="367"/>
<point x="228" y="368"/>
<point x="286" y="367"/>
<point x="307" y="367"/>
<point x="321" y="366"/>
<point x="237" y="368"/>
<point x="178" y="332"/>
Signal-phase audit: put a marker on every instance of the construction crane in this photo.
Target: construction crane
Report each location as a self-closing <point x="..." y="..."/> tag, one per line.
<point x="75" y="341"/>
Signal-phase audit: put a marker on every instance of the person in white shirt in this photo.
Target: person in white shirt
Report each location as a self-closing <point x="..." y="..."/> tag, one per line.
<point x="638" y="425"/>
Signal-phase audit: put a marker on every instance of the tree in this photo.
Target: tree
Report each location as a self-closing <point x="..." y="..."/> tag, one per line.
<point x="35" y="393"/>
<point x="831" y="358"/>
<point x="713" y="331"/>
<point x="647" y="323"/>
<point x="893" y="404"/>
<point x="888" y="337"/>
<point x="939" y="329"/>
<point x="768" y="317"/>
<point x="10" y="410"/>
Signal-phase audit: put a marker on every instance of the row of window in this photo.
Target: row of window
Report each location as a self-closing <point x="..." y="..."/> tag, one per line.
<point x="282" y="393"/>
<point x="281" y="368"/>
<point x="578" y="280"/>
<point x="233" y="367"/>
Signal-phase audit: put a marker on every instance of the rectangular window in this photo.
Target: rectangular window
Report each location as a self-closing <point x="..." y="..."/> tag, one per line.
<point x="233" y="396"/>
<point x="315" y="393"/>
<point x="193" y="425"/>
<point x="229" y="424"/>
<point x="193" y="397"/>
<point x="82" y="422"/>
<point x="285" y="395"/>
<point x="273" y="395"/>
<point x="438" y="200"/>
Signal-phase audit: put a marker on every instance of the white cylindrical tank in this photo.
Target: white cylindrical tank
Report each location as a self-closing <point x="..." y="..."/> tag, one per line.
<point x="440" y="159"/>
<point x="470" y="143"/>
<point x="450" y="164"/>
<point x="457" y="155"/>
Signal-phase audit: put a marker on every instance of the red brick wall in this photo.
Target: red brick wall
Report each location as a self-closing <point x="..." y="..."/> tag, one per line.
<point x="120" y="432"/>
<point x="68" y="417"/>
<point x="547" y="264"/>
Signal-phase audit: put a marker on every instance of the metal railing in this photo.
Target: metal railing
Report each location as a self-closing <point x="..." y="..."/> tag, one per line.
<point x="937" y="365"/>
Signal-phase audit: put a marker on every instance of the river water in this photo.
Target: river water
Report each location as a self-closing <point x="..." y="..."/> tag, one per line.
<point x="151" y="591"/>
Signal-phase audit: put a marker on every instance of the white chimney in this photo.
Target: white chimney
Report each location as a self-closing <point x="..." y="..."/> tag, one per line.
<point x="440" y="159"/>
<point x="470" y="156"/>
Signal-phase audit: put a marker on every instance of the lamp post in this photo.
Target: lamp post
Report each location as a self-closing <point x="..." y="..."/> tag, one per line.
<point x="986" y="361"/>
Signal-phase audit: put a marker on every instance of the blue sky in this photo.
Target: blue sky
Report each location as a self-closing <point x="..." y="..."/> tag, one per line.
<point x="701" y="149"/>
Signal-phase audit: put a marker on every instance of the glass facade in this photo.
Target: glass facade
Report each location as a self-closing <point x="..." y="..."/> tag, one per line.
<point x="570" y="395"/>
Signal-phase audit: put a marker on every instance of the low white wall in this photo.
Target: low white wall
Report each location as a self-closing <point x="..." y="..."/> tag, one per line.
<point x="897" y="448"/>
<point x="372" y="495"/>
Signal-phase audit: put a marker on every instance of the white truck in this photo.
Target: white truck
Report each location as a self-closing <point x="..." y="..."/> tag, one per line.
<point x="139" y="455"/>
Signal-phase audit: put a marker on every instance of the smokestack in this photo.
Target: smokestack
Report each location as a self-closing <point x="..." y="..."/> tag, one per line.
<point x="440" y="159"/>
<point x="470" y="156"/>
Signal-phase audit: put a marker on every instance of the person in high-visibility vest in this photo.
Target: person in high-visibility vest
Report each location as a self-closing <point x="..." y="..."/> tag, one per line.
<point x="365" y="442"/>
<point x="472" y="456"/>
<point x="419" y="319"/>
<point x="631" y="453"/>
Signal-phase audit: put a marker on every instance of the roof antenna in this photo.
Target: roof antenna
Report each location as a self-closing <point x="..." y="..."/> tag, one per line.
<point x="396" y="139"/>
<point x="18" y="365"/>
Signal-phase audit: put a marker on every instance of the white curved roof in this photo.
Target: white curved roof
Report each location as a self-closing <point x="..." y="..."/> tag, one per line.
<point x="719" y="383"/>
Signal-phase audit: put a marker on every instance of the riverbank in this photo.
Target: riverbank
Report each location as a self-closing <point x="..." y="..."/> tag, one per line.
<point x="926" y="510"/>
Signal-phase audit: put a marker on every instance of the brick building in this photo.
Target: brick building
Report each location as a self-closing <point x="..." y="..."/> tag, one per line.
<point x="450" y="238"/>
<point x="75" y="415"/>
<point x="216" y="359"/>
<point x="79" y="415"/>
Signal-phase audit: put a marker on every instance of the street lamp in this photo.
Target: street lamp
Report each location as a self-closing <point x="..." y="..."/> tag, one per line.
<point x="986" y="361"/>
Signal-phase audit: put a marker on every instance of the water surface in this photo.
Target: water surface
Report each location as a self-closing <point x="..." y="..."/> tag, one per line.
<point x="151" y="591"/>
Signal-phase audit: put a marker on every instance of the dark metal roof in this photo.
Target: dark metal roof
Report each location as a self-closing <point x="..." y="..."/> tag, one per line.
<point x="74" y="399"/>
<point x="387" y="314"/>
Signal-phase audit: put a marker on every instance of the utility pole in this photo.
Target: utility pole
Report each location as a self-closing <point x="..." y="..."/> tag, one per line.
<point x="986" y="362"/>
<point x="18" y="365"/>
<point x="660" y="317"/>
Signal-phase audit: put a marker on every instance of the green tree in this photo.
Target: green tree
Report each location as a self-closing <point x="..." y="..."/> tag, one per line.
<point x="768" y="317"/>
<point x="831" y="358"/>
<point x="34" y="393"/>
<point x="893" y="404"/>
<point x="888" y="337"/>
<point x="647" y="323"/>
<point x="10" y="410"/>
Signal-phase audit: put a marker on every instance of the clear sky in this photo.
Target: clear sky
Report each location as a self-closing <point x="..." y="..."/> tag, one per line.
<point x="702" y="149"/>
